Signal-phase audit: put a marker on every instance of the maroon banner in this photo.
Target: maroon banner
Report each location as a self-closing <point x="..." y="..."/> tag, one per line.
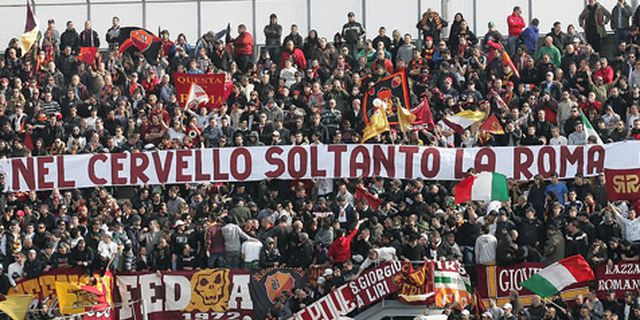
<point x="369" y="288"/>
<point x="188" y="295"/>
<point x="623" y="184"/>
<point x="496" y="282"/>
<point x="213" y="84"/>
<point x="619" y="277"/>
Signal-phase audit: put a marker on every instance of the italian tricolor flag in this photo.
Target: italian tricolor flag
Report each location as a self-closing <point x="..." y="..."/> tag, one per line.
<point x="484" y="186"/>
<point x="559" y="275"/>
<point x="588" y="128"/>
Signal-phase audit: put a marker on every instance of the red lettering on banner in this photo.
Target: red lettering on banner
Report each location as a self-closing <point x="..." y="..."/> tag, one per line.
<point x="490" y="165"/>
<point x="116" y="168"/>
<point x="362" y="165"/>
<point x="137" y="169"/>
<point x="291" y="162"/>
<point x="337" y="150"/>
<point x="62" y="183"/>
<point x="162" y="169"/>
<point x="388" y="161"/>
<point x="315" y="171"/>
<point x="459" y="173"/>
<point x="200" y="176"/>
<point x="235" y="155"/>
<point x="217" y="174"/>
<point x="434" y="154"/>
<point x="595" y="160"/>
<point x="92" y="169"/>
<point x="567" y="157"/>
<point x="408" y="160"/>
<point x="550" y="153"/>
<point x="19" y="169"/>
<point x="274" y="161"/>
<point x="521" y="166"/>
<point x="43" y="172"/>
<point x="181" y="165"/>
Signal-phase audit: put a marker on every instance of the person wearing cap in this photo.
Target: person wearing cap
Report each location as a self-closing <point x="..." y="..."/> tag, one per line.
<point x="508" y="312"/>
<point x="34" y="266"/>
<point x="269" y="254"/>
<point x="353" y="33"/>
<point x="273" y="36"/>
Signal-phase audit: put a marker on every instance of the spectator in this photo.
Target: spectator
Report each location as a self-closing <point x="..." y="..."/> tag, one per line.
<point x="273" y="35"/>
<point x="593" y="19"/>
<point x="89" y="37"/>
<point x="70" y="38"/>
<point x="529" y="36"/>
<point x="516" y="24"/>
<point x="353" y="33"/>
<point x="620" y="15"/>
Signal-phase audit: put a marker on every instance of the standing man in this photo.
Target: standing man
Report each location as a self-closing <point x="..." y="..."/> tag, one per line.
<point x="243" y="47"/>
<point x="70" y="38"/>
<point x="273" y="35"/>
<point x="353" y="34"/>
<point x="516" y="25"/>
<point x="89" y="37"/>
<point x="620" y="15"/>
<point x="593" y="19"/>
<point x="113" y="32"/>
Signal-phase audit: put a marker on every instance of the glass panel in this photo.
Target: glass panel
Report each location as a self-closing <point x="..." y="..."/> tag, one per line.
<point x="498" y="12"/>
<point x="549" y="11"/>
<point x="101" y="15"/>
<point x="403" y="18"/>
<point x="216" y="15"/>
<point x="162" y="16"/>
<point x="288" y="11"/>
<point x="328" y="17"/>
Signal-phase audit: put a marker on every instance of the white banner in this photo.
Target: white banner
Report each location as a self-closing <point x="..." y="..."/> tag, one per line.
<point x="305" y="162"/>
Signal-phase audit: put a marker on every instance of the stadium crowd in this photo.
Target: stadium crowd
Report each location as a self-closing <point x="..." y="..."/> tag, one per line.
<point x="308" y="90"/>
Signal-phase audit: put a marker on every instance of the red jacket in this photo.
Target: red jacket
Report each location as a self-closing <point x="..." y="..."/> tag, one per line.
<point x="243" y="44"/>
<point x="340" y="249"/>
<point x="388" y="65"/>
<point x="516" y="24"/>
<point x="297" y="56"/>
<point x="606" y="74"/>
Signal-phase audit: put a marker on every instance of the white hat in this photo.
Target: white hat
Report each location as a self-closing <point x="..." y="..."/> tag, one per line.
<point x="321" y="280"/>
<point x="179" y="223"/>
<point x="466" y="312"/>
<point x="507" y="306"/>
<point x="327" y="272"/>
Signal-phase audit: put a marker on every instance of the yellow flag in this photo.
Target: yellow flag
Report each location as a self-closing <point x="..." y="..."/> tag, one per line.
<point x="378" y="123"/>
<point x="405" y="119"/>
<point x="73" y="299"/>
<point x="16" y="306"/>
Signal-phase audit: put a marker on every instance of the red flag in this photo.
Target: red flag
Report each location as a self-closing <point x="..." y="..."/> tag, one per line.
<point x="87" y="55"/>
<point x="492" y="125"/>
<point x="478" y="306"/>
<point x="362" y="193"/>
<point x="506" y="60"/>
<point x="423" y="114"/>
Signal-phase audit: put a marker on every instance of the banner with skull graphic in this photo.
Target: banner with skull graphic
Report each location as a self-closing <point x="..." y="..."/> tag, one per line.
<point x="202" y="294"/>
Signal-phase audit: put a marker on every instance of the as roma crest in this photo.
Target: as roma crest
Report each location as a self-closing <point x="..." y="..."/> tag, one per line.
<point x="141" y="39"/>
<point x="277" y="283"/>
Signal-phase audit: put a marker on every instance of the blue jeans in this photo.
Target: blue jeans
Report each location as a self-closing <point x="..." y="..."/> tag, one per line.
<point x="621" y="35"/>
<point x="215" y="260"/>
<point x="232" y="260"/>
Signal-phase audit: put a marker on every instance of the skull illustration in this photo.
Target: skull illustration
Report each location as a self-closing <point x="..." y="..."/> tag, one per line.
<point x="210" y="291"/>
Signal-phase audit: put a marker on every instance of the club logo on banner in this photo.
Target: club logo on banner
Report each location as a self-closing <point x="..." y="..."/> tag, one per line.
<point x="496" y="282"/>
<point x="213" y="85"/>
<point x="89" y="292"/>
<point x="269" y="284"/>
<point x="393" y="91"/>
<point x="187" y="295"/>
<point x="623" y="184"/>
<point x="369" y="288"/>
